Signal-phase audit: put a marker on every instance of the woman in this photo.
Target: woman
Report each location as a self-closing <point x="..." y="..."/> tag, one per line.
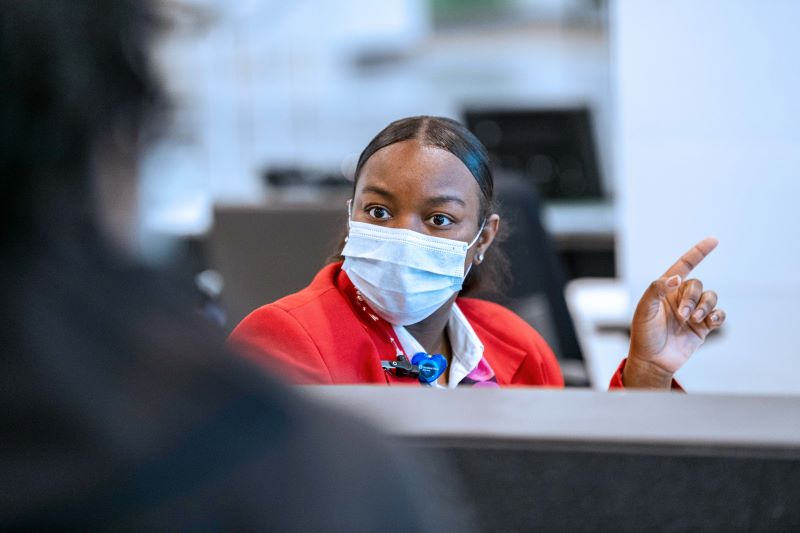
<point x="421" y="228"/>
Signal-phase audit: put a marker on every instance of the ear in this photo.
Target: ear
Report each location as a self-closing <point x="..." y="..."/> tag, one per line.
<point x="486" y="239"/>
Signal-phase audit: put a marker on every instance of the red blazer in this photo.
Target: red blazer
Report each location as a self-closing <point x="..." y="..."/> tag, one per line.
<point x="323" y="335"/>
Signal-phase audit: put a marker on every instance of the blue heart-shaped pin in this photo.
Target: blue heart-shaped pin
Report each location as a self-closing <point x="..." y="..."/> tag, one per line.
<point x="430" y="366"/>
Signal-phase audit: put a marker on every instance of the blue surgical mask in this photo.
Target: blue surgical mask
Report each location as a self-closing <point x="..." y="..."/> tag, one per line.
<point x="404" y="275"/>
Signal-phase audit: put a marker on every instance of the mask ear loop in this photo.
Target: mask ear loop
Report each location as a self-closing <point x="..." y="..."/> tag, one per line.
<point x="478" y="235"/>
<point x="480" y="231"/>
<point x="349" y="217"/>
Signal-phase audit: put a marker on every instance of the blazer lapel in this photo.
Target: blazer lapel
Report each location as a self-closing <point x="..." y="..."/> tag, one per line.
<point x="504" y="358"/>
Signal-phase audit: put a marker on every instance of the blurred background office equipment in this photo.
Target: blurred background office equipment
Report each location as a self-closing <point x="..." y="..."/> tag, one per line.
<point x="665" y="127"/>
<point x="255" y="137"/>
<point x="554" y="148"/>
<point x="268" y="251"/>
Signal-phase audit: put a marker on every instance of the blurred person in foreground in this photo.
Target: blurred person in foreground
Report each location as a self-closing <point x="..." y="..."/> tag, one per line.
<point x="119" y="409"/>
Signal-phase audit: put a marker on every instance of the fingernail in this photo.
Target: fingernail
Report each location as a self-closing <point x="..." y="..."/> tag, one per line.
<point x="674" y="281"/>
<point x="715" y="318"/>
<point x="685" y="312"/>
<point x="698" y="315"/>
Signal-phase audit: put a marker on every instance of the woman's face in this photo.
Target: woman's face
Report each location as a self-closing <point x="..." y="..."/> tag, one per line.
<point x="425" y="189"/>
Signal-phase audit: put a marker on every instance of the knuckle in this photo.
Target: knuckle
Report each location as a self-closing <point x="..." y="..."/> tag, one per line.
<point x="710" y="298"/>
<point x="693" y="291"/>
<point x="657" y="287"/>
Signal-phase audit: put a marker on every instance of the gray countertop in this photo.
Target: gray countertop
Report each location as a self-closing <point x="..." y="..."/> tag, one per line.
<point x="528" y="414"/>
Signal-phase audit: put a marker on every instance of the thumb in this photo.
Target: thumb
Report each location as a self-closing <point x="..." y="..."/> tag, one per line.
<point x="650" y="303"/>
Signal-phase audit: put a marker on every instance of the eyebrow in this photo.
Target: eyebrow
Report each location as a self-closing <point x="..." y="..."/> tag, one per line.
<point x="435" y="200"/>
<point x="377" y="190"/>
<point x="445" y="199"/>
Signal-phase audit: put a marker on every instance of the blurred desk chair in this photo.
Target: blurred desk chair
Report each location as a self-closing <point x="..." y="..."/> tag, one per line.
<point x="536" y="291"/>
<point x="265" y="252"/>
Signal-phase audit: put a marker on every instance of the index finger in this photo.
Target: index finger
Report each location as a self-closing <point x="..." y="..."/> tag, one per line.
<point x="692" y="258"/>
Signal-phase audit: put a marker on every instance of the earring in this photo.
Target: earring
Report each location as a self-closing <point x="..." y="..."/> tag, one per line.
<point x="480" y="257"/>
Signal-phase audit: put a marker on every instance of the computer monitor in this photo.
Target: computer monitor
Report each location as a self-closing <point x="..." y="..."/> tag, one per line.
<point x="269" y="250"/>
<point x="554" y="148"/>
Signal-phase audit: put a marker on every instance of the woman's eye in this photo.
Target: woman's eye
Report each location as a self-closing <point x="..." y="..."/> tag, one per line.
<point x="379" y="213"/>
<point x="441" y="220"/>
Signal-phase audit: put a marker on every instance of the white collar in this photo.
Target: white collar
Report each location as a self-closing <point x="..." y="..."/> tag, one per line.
<point x="464" y="342"/>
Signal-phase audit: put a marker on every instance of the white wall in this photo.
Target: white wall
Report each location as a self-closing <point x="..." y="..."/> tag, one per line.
<point x="707" y="131"/>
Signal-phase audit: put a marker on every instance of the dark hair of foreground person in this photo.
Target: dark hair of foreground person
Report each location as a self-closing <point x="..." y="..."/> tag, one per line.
<point x="120" y="408"/>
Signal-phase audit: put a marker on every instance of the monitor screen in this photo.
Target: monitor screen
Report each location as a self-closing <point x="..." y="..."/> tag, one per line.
<point x="554" y="148"/>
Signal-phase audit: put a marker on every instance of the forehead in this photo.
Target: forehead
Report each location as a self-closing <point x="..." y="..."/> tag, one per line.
<point x="413" y="169"/>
